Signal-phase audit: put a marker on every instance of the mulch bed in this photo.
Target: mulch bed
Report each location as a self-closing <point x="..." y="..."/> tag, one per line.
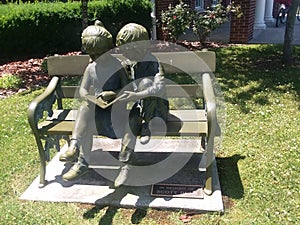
<point x="33" y="76"/>
<point x="29" y="70"/>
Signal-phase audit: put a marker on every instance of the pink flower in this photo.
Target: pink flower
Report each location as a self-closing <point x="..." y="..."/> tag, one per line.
<point x="174" y="17"/>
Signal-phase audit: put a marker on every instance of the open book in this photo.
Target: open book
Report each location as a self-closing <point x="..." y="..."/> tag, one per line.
<point x="103" y="104"/>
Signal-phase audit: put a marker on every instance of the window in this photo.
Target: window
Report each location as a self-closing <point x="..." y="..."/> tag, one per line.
<point x="199" y="4"/>
<point x="215" y="2"/>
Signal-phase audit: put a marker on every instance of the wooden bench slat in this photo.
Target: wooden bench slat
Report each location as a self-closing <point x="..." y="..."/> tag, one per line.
<point x="63" y="114"/>
<point x="174" y="128"/>
<point x="187" y="61"/>
<point x="182" y="90"/>
<point x="67" y="65"/>
<point x="180" y="122"/>
<point x="56" y="127"/>
<point x="188" y="115"/>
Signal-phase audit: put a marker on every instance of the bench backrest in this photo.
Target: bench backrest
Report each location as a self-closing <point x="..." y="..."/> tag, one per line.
<point x="188" y="62"/>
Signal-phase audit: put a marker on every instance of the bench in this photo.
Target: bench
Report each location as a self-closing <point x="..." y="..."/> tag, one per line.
<point x="51" y="121"/>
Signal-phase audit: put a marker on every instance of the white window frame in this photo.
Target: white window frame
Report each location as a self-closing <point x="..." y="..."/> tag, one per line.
<point x="215" y="2"/>
<point x="199" y="5"/>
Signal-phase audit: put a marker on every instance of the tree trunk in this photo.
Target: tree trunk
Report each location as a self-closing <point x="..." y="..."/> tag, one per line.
<point x="287" y="57"/>
<point x="84" y="12"/>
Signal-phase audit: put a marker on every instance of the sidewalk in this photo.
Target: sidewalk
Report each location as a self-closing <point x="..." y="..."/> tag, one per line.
<point x="270" y="35"/>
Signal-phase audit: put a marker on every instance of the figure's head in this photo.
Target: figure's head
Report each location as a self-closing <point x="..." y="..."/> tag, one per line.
<point x="96" y="40"/>
<point x="131" y="33"/>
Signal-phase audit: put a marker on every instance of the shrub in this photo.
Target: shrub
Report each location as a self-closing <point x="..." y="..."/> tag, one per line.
<point x="116" y="13"/>
<point x="205" y="22"/>
<point x="40" y="27"/>
<point x="176" y="20"/>
<point x="47" y="28"/>
<point x="9" y="81"/>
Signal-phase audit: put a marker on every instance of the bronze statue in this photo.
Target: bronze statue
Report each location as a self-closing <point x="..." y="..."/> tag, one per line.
<point x="141" y="80"/>
<point x="147" y="89"/>
<point x="95" y="110"/>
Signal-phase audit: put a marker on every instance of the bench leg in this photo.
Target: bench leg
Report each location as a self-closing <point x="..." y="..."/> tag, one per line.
<point x="208" y="189"/>
<point x="42" y="161"/>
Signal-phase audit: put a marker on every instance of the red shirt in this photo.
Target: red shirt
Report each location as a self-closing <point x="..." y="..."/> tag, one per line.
<point x="286" y="2"/>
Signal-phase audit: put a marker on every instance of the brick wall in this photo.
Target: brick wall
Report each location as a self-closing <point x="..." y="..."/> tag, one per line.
<point x="241" y="29"/>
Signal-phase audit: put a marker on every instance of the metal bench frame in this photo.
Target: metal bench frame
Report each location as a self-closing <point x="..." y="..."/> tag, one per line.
<point x="194" y="122"/>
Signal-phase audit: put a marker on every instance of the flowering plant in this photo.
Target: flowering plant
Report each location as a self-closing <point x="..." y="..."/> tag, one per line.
<point x="205" y="22"/>
<point x="178" y="19"/>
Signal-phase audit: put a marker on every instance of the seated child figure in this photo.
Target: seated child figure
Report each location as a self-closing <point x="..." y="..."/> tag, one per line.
<point x="147" y="90"/>
<point x="100" y="73"/>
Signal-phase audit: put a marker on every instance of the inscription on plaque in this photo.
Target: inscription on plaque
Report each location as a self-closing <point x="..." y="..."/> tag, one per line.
<point x="177" y="191"/>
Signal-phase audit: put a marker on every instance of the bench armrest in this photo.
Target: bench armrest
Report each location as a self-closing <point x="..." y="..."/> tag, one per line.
<point x="42" y="103"/>
<point x="210" y="103"/>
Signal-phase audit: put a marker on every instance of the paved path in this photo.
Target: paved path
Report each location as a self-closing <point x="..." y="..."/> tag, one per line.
<point x="270" y="35"/>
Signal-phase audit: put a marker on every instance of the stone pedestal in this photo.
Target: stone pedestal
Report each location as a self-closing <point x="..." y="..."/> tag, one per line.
<point x="93" y="188"/>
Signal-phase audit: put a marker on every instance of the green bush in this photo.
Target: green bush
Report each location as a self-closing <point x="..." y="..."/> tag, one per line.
<point x="47" y="28"/>
<point x="176" y="20"/>
<point x="39" y="28"/>
<point x="116" y="13"/>
<point x="8" y="81"/>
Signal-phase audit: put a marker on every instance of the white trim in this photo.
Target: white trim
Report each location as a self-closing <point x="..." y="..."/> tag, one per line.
<point x="199" y="4"/>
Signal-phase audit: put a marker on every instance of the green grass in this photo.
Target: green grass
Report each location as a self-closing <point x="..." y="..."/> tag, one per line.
<point x="259" y="162"/>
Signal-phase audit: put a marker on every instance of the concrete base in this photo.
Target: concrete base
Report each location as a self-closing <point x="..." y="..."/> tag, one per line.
<point x="270" y="22"/>
<point x="260" y="26"/>
<point x="93" y="188"/>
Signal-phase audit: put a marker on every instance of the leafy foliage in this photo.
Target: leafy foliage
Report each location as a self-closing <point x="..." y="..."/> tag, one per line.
<point x="176" y="20"/>
<point x="40" y="27"/>
<point x="9" y="81"/>
<point x="48" y="28"/>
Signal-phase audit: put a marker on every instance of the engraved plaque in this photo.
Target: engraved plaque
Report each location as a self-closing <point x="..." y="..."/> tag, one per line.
<point x="177" y="191"/>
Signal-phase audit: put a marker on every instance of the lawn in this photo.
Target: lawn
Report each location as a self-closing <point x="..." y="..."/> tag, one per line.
<point x="258" y="162"/>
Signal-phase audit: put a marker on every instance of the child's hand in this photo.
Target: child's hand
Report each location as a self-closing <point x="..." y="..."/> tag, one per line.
<point x="108" y="96"/>
<point x="101" y="103"/>
<point x="130" y="96"/>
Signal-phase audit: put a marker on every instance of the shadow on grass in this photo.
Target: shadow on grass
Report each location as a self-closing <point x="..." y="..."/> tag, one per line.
<point x="136" y="218"/>
<point x="229" y="176"/>
<point x="138" y="215"/>
<point x="189" y="174"/>
<point x="250" y="73"/>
